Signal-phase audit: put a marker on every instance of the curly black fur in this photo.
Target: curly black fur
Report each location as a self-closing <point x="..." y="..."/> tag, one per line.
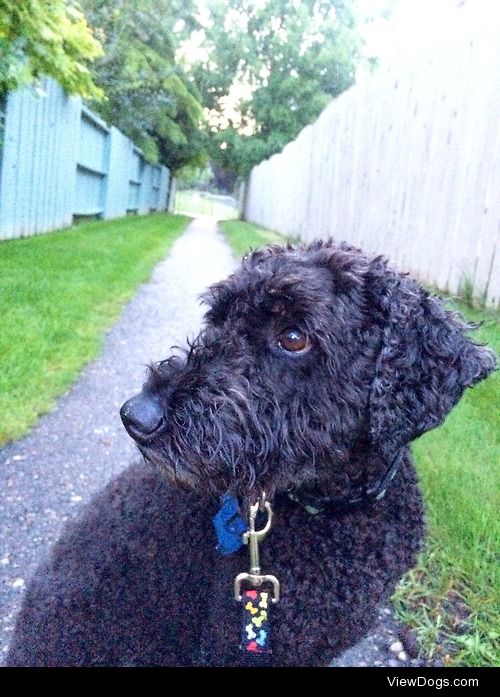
<point x="136" y="581"/>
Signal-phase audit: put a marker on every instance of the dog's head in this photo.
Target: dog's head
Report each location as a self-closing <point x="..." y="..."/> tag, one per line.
<point x="312" y="360"/>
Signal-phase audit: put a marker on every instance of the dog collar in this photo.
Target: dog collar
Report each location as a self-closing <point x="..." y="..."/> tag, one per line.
<point x="315" y="502"/>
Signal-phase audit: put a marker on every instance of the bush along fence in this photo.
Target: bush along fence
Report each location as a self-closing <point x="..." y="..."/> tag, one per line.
<point x="407" y="166"/>
<point x="59" y="161"/>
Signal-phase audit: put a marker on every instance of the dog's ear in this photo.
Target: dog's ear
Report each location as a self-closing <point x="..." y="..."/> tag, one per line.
<point x="425" y="362"/>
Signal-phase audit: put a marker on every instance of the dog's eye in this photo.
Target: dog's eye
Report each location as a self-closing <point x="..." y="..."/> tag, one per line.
<point x="294" y="341"/>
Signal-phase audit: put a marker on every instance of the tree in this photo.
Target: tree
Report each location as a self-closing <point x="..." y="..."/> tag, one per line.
<point x="40" y="38"/>
<point x="293" y="56"/>
<point x="149" y="94"/>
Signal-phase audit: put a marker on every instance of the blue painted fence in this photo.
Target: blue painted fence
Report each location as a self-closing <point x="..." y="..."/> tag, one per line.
<point x="58" y="161"/>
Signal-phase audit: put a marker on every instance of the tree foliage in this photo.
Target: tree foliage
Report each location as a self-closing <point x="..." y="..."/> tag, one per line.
<point x="40" y="38"/>
<point x="149" y="95"/>
<point x="264" y="69"/>
<point x="294" y="56"/>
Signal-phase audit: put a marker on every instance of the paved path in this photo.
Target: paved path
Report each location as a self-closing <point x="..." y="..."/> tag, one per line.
<point x="75" y="450"/>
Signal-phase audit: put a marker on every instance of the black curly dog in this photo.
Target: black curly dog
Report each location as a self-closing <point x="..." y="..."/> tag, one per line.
<point x="316" y="368"/>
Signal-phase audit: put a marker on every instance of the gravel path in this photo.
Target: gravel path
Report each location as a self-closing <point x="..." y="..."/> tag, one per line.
<point x="75" y="450"/>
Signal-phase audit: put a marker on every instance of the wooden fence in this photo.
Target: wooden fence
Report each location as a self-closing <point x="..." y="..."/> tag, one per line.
<point x="58" y="160"/>
<point x="407" y="165"/>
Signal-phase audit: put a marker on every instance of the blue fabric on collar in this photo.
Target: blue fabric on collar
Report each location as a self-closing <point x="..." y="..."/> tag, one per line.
<point x="229" y="526"/>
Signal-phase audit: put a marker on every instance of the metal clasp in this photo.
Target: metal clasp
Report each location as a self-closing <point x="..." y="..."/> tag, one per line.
<point x="252" y="538"/>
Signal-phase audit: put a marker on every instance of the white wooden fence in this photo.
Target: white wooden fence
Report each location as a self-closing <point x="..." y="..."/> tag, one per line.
<point x="407" y="165"/>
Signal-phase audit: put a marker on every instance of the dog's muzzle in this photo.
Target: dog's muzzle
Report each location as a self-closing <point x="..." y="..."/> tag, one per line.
<point x="143" y="418"/>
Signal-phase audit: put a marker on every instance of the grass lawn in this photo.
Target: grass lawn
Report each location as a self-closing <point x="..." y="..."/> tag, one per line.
<point x="244" y="236"/>
<point x="59" y="292"/>
<point x="452" y="598"/>
<point x="202" y="203"/>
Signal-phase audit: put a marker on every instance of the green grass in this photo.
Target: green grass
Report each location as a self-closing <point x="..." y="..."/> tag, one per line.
<point x="201" y="203"/>
<point x="452" y="598"/>
<point x="59" y="292"/>
<point x="245" y="236"/>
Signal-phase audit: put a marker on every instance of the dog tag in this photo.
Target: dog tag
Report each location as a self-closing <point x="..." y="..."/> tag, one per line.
<point x="229" y="526"/>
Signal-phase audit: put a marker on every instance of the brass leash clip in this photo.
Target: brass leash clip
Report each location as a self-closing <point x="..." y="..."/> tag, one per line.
<point x="252" y="538"/>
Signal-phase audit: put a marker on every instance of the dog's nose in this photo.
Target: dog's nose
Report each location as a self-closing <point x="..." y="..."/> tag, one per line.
<point x="142" y="416"/>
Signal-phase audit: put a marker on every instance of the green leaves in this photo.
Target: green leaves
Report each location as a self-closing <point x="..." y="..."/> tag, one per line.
<point x="46" y="38"/>
<point x="264" y="70"/>
<point x="293" y="57"/>
<point x="149" y="95"/>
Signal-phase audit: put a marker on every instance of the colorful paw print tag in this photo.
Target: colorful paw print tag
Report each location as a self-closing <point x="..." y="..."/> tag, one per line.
<point x="255" y="636"/>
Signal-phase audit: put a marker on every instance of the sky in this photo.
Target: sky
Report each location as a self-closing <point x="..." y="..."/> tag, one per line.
<point x="410" y="27"/>
<point x="389" y="27"/>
